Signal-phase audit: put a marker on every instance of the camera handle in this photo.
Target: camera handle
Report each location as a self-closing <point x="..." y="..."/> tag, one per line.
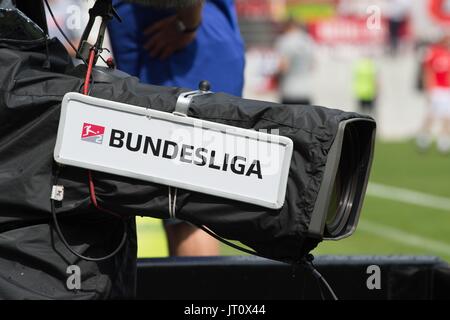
<point x="185" y="99"/>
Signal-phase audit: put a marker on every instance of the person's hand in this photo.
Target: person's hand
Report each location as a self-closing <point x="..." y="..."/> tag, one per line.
<point x="166" y="38"/>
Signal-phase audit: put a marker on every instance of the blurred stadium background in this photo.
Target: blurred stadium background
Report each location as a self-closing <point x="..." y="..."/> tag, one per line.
<point x="407" y="208"/>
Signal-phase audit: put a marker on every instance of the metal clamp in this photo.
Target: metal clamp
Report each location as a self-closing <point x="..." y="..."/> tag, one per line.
<point x="105" y="10"/>
<point x="184" y="100"/>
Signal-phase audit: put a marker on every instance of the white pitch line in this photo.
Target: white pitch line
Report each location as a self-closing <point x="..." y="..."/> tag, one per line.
<point x="408" y="196"/>
<point x="404" y="237"/>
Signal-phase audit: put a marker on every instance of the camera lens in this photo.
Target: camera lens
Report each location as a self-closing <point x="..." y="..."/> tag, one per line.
<point x="344" y="188"/>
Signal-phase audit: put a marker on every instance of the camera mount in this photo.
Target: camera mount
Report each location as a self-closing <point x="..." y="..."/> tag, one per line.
<point x="105" y="10"/>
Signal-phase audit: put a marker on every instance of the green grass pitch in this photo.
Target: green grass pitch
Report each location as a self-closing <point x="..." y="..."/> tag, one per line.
<point x="387" y="226"/>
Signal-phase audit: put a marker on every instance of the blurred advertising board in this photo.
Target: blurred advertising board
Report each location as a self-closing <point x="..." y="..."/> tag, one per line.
<point x="348" y="30"/>
<point x="278" y="10"/>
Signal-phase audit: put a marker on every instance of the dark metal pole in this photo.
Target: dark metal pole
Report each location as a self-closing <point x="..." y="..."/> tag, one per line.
<point x="35" y="11"/>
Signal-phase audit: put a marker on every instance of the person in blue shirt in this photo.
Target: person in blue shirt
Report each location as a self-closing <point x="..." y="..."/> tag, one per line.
<point x="179" y="44"/>
<point x="180" y="47"/>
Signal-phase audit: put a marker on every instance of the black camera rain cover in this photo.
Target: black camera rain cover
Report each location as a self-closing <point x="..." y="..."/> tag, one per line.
<point x="30" y="100"/>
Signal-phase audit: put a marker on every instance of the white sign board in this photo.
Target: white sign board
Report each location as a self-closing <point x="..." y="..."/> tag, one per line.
<point x="173" y="150"/>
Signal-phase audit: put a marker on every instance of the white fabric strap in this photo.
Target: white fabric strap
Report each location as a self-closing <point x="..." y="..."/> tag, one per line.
<point x="172" y="206"/>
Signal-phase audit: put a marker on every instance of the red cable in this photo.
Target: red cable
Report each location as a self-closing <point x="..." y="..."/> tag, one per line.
<point x="87" y="80"/>
<point x="92" y="189"/>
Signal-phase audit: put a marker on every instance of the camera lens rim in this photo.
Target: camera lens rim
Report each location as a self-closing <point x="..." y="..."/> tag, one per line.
<point x="345" y="184"/>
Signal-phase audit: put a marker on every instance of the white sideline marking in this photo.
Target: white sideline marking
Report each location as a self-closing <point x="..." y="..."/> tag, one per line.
<point x="408" y="196"/>
<point x="404" y="237"/>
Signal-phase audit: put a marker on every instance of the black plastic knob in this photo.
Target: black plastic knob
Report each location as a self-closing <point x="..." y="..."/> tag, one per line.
<point x="204" y="85"/>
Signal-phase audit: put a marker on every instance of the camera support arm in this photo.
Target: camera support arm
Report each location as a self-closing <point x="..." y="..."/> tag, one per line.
<point x="105" y="10"/>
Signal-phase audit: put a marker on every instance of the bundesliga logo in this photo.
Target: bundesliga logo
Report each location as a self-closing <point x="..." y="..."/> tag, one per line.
<point x="92" y="133"/>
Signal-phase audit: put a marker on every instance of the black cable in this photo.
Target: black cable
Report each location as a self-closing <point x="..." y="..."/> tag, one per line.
<point x="67" y="245"/>
<point x="307" y="261"/>
<point x="318" y="276"/>
<point x="53" y="209"/>
<point x="322" y="280"/>
<point x="100" y="51"/>
<point x="46" y="64"/>
<point x="319" y="285"/>
<point x="63" y="33"/>
<point x="228" y="243"/>
<point x="102" y="59"/>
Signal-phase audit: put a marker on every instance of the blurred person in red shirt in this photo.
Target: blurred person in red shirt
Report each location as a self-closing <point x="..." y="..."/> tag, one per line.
<point x="437" y="86"/>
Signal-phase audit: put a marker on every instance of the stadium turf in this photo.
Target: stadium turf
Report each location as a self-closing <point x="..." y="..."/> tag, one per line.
<point x="387" y="226"/>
